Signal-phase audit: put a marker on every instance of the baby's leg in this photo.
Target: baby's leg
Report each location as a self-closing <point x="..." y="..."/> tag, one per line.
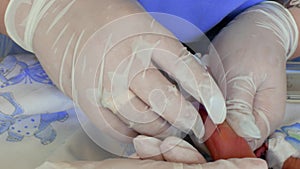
<point x="224" y="143"/>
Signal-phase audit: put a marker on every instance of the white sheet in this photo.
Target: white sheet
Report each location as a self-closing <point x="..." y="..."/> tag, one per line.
<point x="37" y="122"/>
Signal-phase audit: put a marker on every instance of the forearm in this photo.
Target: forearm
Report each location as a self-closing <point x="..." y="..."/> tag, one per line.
<point x="3" y="6"/>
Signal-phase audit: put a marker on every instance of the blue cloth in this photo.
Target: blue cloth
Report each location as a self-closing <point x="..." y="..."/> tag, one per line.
<point x="203" y="14"/>
<point x="8" y="47"/>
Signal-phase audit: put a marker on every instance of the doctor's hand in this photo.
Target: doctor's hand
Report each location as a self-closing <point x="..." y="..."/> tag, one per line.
<point x="108" y="57"/>
<point x="250" y="69"/>
<point x="150" y="164"/>
<point x="171" y="153"/>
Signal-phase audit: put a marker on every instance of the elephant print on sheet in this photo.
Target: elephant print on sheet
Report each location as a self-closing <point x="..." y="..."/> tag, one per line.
<point x="17" y="125"/>
<point x="14" y="71"/>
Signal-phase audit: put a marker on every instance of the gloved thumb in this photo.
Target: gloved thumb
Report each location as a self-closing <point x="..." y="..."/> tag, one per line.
<point x="171" y="149"/>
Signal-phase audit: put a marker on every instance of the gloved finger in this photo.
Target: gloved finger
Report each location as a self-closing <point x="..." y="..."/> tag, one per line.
<point x="171" y="149"/>
<point x="237" y="85"/>
<point x="137" y="115"/>
<point x="127" y="104"/>
<point x="116" y="96"/>
<point x="246" y="163"/>
<point x="194" y="78"/>
<point x="148" y="148"/>
<point x="240" y="95"/>
<point x="269" y="113"/>
<point x="148" y="83"/>
<point x="165" y="99"/>
<point x="178" y="150"/>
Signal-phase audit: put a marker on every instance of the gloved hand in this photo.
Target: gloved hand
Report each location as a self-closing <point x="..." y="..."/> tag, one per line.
<point x="248" y="60"/>
<point x="176" y="153"/>
<point x="149" y="164"/>
<point x="106" y="55"/>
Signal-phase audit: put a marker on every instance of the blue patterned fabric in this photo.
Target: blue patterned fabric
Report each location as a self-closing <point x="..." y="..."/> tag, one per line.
<point x="20" y="71"/>
<point x="292" y="134"/>
<point x="8" y="47"/>
<point x="27" y="72"/>
<point x="19" y="125"/>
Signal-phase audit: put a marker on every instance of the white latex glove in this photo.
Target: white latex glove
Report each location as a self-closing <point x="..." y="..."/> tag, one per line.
<point x="106" y="55"/>
<point x="171" y="149"/>
<point x="177" y="154"/>
<point x="250" y="68"/>
<point x="245" y="163"/>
